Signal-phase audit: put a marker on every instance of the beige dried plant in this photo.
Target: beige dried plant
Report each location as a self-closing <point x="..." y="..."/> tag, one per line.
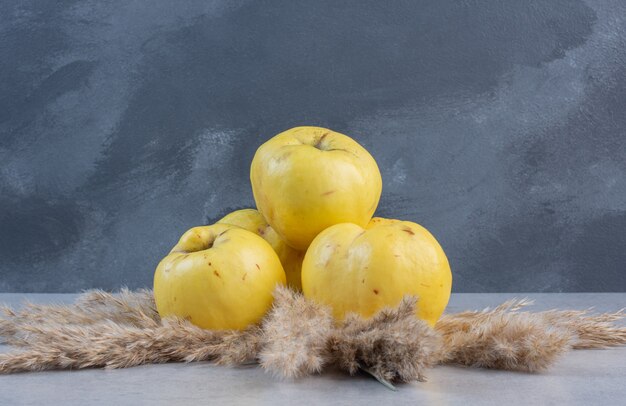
<point x="393" y="345"/>
<point x="125" y="308"/>
<point x="297" y="337"/>
<point x="112" y="345"/>
<point x="295" y="334"/>
<point x="505" y="338"/>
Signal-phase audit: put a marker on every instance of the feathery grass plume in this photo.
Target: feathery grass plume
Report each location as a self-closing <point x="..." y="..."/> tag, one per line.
<point x="589" y="330"/>
<point x="504" y="338"/>
<point x="112" y="345"/>
<point x="7" y="328"/>
<point x="297" y="337"/>
<point x="393" y="345"/>
<point x="11" y="321"/>
<point x="126" y="307"/>
<point x="295" y="333"/>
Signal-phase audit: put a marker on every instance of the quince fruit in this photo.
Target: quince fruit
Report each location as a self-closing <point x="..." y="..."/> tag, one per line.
<point x="218" y="277"/>
<point x="361" y="270"/>
<point x="307" y="179"/>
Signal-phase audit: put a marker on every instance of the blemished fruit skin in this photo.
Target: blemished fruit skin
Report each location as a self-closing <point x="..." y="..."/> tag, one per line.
<point x="218" y="277"/>
<point x="362" y="270"/>
<point x="291" y="259"/>
<point x="307" y="179"/>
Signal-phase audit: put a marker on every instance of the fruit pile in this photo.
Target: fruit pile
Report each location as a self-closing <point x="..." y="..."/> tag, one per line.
<point x="316" y="191"/>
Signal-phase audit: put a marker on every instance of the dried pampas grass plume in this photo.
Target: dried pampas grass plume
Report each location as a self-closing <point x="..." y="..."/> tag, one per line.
<point x="512" y="341"/>
<point x="128" y="307"/>
<point x="125" y="308"/>
<point x="298" y="337"/>
<point x="588" y="330"/>
<point x="505" y="338"/>
<point x="112" y="345"/>
<point x="295" y="333"/>
<point x="393" y="345"/>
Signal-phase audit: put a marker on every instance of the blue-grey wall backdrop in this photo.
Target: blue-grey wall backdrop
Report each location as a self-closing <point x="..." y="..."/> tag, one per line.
<point x="498" y="125"/>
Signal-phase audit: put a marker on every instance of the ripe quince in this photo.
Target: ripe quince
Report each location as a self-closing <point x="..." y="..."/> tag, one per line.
<point x="363" y="269"/>
<point x="218" y="277"/>
<point x="307" y="179"/>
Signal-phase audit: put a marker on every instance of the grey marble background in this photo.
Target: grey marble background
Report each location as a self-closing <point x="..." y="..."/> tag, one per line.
<point x="498" y="125"/>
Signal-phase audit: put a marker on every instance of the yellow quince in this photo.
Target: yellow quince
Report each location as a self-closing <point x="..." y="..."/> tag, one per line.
<point x="362" y="270"/>
<point x="218" y="277"/>
<point x="307" y="179"/>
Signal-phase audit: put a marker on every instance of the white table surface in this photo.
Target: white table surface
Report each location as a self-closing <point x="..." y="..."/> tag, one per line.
<point x="585" y="377"/>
